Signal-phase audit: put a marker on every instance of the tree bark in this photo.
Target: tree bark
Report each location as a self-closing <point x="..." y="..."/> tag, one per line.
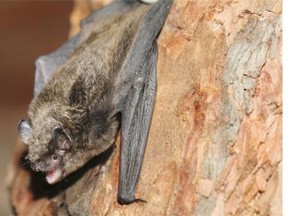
<point x="215" y="143"/>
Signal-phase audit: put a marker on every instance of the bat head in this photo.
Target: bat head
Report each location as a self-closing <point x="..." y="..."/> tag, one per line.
<point x="48" y="148"/>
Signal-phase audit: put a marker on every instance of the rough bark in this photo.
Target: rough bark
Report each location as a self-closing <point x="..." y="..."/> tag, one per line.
<point x="215" y="143"/>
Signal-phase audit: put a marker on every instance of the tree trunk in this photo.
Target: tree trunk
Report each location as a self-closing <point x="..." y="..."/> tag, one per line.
<point x="215" y="143"/>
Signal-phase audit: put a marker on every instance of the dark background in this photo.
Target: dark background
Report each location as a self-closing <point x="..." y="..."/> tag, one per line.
<point x="28" y="29"/>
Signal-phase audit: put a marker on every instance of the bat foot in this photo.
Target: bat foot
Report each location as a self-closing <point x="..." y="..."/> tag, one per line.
<point x="140" y="200"/>
<point x="129" y="200"/>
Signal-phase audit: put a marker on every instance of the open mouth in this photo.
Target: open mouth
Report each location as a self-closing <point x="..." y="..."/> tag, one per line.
<point x="53" y="176"/>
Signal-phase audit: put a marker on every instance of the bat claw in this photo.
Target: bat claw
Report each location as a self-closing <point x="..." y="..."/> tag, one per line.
<point x="140" y="200"/>
<point x="129" y="200"/>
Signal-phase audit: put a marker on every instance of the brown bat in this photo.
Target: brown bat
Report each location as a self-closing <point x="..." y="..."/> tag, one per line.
<point x="100" y="79"/>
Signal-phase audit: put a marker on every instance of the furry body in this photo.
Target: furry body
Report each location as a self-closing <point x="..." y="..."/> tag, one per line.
<point x="109" y="68"/>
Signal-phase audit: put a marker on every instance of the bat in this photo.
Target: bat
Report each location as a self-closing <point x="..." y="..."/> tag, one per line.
<point x="100" y="80"/>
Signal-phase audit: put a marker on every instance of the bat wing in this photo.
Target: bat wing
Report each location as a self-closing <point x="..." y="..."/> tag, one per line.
<point x="139" y="72"/>
<point x="47" y="64"/>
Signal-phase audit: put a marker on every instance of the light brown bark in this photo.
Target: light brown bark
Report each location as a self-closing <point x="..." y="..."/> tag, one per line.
<point x="215" y="143"/>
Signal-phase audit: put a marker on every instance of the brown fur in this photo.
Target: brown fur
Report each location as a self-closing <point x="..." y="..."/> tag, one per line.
<point x="79" y="96"/>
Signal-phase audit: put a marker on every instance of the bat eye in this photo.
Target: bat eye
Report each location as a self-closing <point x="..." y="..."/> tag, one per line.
<point x="55" y="157"/>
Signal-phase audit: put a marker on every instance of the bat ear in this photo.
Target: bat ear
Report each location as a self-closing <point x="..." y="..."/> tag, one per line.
<point x="24" y="129"/>
<point x="60" y="139"/>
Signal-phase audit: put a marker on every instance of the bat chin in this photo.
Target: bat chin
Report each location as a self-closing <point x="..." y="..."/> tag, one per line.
<point x="53" y="176"/>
